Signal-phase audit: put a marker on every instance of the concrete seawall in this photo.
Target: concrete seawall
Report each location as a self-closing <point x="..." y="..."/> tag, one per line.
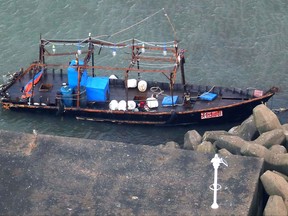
<point x="49" y="175"/>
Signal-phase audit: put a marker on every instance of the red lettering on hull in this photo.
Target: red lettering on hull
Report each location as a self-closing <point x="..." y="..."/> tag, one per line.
<point x="213" y="114"/>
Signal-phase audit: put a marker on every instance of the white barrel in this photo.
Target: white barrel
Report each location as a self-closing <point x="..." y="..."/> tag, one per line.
<point x="113" y="77"/>
<point x="152" y="102"/>
<point x="142" y="86"/>
<point x="131" y="83"/>
<point x="122" y="105"/>
<point x="113" y="105"/>
<point x="131" y="105"/>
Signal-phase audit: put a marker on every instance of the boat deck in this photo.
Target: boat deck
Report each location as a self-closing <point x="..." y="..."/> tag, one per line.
<point x="47" y="90"/>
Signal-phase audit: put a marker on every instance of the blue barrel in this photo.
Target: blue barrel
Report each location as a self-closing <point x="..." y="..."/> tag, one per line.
<point x="67" y="96"/>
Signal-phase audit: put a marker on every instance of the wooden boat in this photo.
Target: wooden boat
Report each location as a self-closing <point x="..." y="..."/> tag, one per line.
<point x="78" y="88"/>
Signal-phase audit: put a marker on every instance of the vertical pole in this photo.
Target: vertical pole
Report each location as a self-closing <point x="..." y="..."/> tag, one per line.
<point x="91" y="49"/>
<point x="215" y="205"/>
<point x="93" y="62"/>
<point x="182" y="62"/>
<point x="78" y="86"/>
<point x="127" y="71"/>
<point x="173" y="74"/>
<point x="41" y="51"/>
<point x="172" y="87"/>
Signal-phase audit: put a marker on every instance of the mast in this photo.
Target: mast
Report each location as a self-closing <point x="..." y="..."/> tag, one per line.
<point x="92" y="60"/>
<point x="78" y="86"/>
<point x="182" y="62"/>
<point x="91" y="50"/>
<point x="172" y="86"/>
<point x="41" y="51"/>
<point x="128" y="69"/>
<point x="173" y="73"/>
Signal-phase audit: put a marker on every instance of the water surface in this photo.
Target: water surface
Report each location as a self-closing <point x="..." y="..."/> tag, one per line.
<point x="229" y="43"/>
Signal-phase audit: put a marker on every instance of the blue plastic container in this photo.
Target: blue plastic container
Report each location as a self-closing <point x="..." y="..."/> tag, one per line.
<point x="67" y="96"/>
<point x="73" y="75"/>
<point x="97" y="89"/>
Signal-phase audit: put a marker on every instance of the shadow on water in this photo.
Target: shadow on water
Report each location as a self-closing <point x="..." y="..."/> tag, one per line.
<point x="70" y="127"/>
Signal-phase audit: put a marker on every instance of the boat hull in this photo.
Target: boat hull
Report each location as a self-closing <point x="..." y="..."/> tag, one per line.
<point x="231" y="113"/>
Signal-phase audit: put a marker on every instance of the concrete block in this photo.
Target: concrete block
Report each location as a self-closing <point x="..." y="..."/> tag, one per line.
<point x="192" y="139"/>
<point x="275" y="206"/>
<point x="278" y="149"/>
<point x="265" y="119"/>
<point x="274" y="184"/>
<point x="270" y="138"/>
<point x="206" y="147"/>
<point x="224" y="152"/>
<point x="232" y="143"/>
<point x="247" y="130"/>
<point x="212" y="136"/>
<point x="255" y="150"/>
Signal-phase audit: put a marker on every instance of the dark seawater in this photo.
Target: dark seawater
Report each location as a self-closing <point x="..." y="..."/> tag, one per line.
<point x="229" y="43"/>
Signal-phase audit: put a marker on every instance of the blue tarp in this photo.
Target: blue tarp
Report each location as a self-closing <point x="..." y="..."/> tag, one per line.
<point x="208" y="96"/>
<point x="167" y="100"/>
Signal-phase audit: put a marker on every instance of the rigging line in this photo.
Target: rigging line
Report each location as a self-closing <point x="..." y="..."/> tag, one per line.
<point x="112" y="46"/>
<point x="158" y="65"/>
<point x="137" y="22"/>
<point x="99" y="36"/>
<point x="140" y="42"/>
<point x="163" y="44"/>
<point x="154" y="43"/>
<point x="66" y="44"/>
<point x="125" y="41"/>
<point x="170" y="23"/>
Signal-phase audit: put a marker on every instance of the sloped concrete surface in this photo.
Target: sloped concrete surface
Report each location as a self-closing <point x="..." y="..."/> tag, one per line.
<point x="48" y="175"/>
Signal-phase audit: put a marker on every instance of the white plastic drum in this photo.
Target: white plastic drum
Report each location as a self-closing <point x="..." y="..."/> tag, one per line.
<point x="152" y="102"/>
<point x="113" y="77"/>
<point x="131" y="83"/>
<point x="131" y="105"/>
<point x="142" y="86"/>
<point x="122" y="105"/>
<point x="113" y="105"/>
